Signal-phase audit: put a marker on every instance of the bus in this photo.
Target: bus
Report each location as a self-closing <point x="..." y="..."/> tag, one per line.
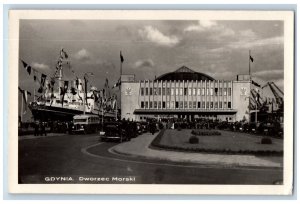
<point x="85" y="124"/>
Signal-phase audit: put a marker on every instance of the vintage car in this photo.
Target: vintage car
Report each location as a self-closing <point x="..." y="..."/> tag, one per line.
<point x="114" y="131"/>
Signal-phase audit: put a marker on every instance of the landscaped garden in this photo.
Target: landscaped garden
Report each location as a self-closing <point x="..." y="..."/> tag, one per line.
<point x="217" y="141"/>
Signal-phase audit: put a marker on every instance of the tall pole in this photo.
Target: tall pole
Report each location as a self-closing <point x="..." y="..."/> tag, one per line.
<point x="84" y="96"/>
<point x="120" y="88"/>
<point x="249" y="64"/>
<point x="250" y="84"/>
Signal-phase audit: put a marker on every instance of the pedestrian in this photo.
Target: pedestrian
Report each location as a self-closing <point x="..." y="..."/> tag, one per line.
<point x="43" y="129"/>
<point x="36" y="128"/>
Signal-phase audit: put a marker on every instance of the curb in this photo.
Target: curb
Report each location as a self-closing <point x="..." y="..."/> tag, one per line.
<point x="212" y="164"/>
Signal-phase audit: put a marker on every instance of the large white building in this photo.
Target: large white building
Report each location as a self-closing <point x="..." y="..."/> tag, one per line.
<point x="187" y="94"/>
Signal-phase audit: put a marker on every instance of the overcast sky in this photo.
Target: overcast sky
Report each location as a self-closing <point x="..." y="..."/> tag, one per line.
<point x="151" y="48"/>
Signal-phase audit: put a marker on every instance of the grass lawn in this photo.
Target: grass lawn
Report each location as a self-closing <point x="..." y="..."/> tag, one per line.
<point x="233" y="141"/>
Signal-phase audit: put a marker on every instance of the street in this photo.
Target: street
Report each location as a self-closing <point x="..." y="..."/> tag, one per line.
<point x="83" y="159"/>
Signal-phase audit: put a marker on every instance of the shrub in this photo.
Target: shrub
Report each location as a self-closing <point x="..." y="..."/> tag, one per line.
<point x="205" y="133"/>
<point x="266" y="140"/>
<point x="179" y="128"/>
<point x="194" y="140"/>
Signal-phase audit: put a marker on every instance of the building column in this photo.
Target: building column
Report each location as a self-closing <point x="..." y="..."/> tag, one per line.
<point x="205" y="94"/>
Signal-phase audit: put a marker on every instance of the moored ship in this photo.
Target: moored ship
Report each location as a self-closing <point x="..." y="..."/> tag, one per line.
<point x="61" y="99"/>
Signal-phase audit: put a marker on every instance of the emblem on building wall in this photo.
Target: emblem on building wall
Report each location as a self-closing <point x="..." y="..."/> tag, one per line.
<point x="128" y="91"/>
<point x="243" y="91"/>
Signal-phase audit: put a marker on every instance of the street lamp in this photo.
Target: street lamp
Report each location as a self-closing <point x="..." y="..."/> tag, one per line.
<point x="85" y="76"/>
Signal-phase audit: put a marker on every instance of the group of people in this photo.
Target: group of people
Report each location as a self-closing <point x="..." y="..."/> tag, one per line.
<point x="40" y="129"/>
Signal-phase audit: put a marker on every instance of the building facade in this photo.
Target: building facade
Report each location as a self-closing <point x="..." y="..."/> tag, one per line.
<point x="186" y="94"/>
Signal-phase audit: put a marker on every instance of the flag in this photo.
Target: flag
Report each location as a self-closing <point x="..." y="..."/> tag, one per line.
<point x="121" y="57"/>
<point x="64" y="53"/>
<point x="73" y="91"/>
<point x="43" y="79"/>
<point x="42" y="83"/>
<point x="255" y="84"/>
<point x="257" y="97"/>
<point x="117" y="84"/>
<point x="64" y="90"/>
<point x="34" y="74"/>
<point x="25" y="97"/>
<point x="251" y="58"/>
<point x="106" y="83"/>
<point x="27" y="67"/>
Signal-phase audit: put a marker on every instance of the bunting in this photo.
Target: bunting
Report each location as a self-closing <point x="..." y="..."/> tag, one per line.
<point x="118" y="84"/>
<point x="25" y="94"/>
<point x="27" y="67"/>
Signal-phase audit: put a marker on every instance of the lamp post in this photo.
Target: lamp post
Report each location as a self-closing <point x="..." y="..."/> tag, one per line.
<point x="85" y="88"/>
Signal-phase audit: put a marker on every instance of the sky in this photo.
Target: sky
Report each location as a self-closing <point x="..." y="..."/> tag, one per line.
<point x="151" y="48"/>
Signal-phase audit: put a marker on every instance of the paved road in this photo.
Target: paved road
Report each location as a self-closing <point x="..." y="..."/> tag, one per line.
<point x="66" y="159"/>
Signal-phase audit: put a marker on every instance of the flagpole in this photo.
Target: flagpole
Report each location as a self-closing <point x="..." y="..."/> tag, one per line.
<point x="249" y="64"/>
<point x="250" y="85"/>
<point x="120" y="88"/>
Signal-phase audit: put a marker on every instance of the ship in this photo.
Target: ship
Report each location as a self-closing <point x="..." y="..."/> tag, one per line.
<point x="61" y="100"/>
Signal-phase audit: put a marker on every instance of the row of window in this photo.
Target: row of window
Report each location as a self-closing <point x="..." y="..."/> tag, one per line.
<point x="186" y="91"/>
<point x="180" y="104"/>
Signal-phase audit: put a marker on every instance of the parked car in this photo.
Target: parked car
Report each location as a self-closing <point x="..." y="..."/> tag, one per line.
<point x="115" y="131"/>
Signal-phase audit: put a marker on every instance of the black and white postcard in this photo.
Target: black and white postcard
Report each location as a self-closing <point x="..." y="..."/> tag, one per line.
<point x="151" y="102"/>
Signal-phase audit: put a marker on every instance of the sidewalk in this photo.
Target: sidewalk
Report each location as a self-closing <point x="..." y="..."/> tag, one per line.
<point x="139" y="147"/>
<point x="27" y="137"/>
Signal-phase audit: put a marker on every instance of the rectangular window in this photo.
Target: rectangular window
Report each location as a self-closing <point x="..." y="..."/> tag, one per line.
<point x="216" y="104"/>
<point x="146" y="104"/>
<point x="185" y="104"/>
<point x="190" y="91"/>
<point x="159" y="104"/>
<point x="211" y="104"/>
<point x="172" y="104"/>
<point x="163" y="91"/>
<point x="211" y="91"/>
<point x="163" y="104"/>
<point x="229" y="104"/>
<point x="154" y="91"/>
<point x="190" y="104"/>
<point x="220" y="91"/>
<point x="176" y="104"/>
<point x="146" y="91"/>
<point x="203" y="104"/>
<point x="168" y="91"/>
<point x="225" y="104"/>
<point x="199" y="92"/>
<point x="220" y="104"/>
<point x="180" y="91"/>
<point x="168" y="104"/>
<point x="172" y="91"/>
<point x="194" y="104"/>
<point x="181" y="104"/>
<point x="216" y="91"/>
<point x="225" y="91"/>
<point x="155" y="104"/>
<point x="176" y="91"/>
<point x="142" y="104"/>
<point x="185" y="91"/>
<point x="207" y="105"/>
<point x="194" y="91"/>
<point x="150" y="105"/>
<point x="159" y="91"/>
<point x="229" y="91"/>
<point x="151" y="92"/>
<point x="207" y="92"/>
<point x="199" y="104"/>
<point x="142" y="91"/>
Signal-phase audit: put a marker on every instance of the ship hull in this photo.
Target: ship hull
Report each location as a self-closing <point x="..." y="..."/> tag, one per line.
<point x="50" y="113"/>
